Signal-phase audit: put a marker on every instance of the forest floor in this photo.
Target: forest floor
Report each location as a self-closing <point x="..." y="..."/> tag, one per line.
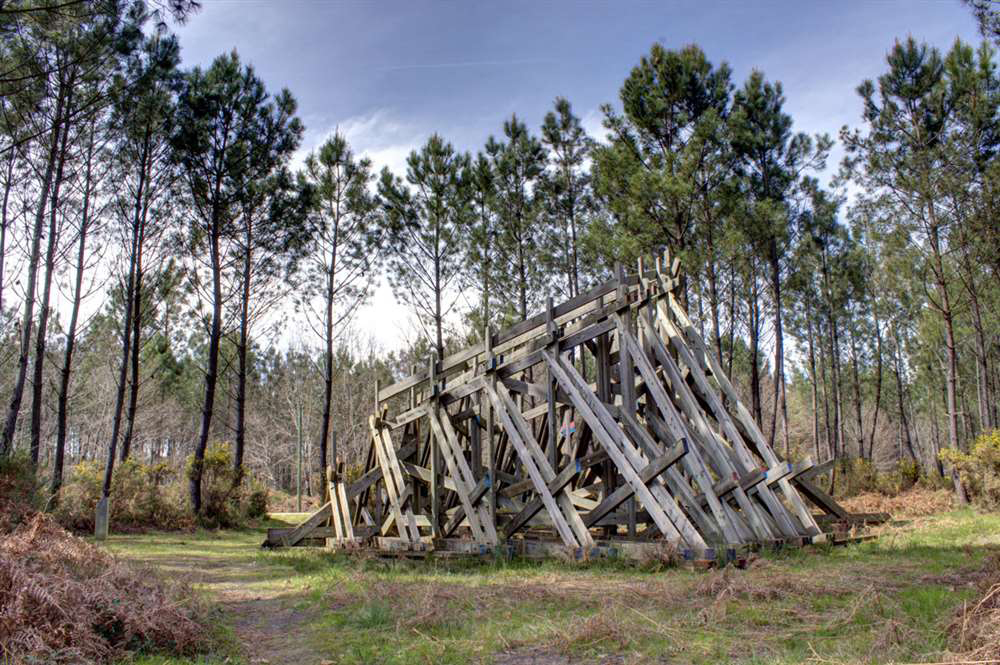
<point x="887" y="600"/>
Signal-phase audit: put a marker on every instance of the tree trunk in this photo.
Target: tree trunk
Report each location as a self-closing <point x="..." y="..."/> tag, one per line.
<point x="135" y="351"/>
<point x="14" y="408"/>
<point x="755" y="401"/>
<point x="212" y="371"/>
<point x="859" y="423"/>
<point x="779" y="351"/>
<point x="241" y="352"/>
<point x="984" y="391"/>
<point x="815" y="388"/>
<point x="731" y="316"/>
<point x="878" y="381"/>
<point x="67" y="367"/>
<point x="41" y="340"/>
<point x="7" y="187"/>
<point x="951" y="352"/>
<point x="123" y="365"/>
<point x="904" y="427"/>
<point x="713" y="294"/>
<point x="827" y="430"/>
<point x="331" y="270"/>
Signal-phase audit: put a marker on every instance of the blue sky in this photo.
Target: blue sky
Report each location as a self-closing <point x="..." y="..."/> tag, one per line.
<point x="390" y="73"/>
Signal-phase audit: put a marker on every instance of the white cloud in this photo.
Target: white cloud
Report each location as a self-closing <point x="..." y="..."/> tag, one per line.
<point x="593" y="123"/>
<point x="380" y="135"/>
<point x="387" y="139"/>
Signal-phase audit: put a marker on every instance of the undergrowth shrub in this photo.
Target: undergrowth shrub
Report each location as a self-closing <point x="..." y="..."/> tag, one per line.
<point x="904" y="475"/>
<point x="143" y="496"/>
<point x="979" y="469"/>
<point x="225" y="500"/>
<point x="857" y="476"/>
<point x="20" y="491"/>
<point x="155" y="496"/>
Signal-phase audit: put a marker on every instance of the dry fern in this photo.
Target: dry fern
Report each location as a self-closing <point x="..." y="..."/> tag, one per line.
<point x="63" y="600"/>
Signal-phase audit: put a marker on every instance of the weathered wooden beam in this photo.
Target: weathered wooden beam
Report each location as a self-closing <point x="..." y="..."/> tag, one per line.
<point x="648" y="473"/>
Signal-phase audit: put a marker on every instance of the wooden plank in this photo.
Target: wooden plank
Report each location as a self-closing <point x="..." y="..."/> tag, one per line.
<point x="345" y="511"/>
<point x="458" y="516"/>
<point x="482" y="530"/>
<point x="394" y="483"/>
<point x="562" y="499"/>
<point x="742" y="416"/>
<point x="519" y="435"/>
<point x="562" y="479"/>
<point x="820" y="498"/>
<point x="315" y="520"/>
<point x="743" y="461"/>
<point x="719" y="457"/>
<point x="422" y="473"/>
<point x="694" y="462"/>
<point x="508" y="338"/>
<point x="648" y="473"/>
<point x="817" y="469"/>
<point x="609" y="435"/>
<point x="677" y="484"/>
<point x="523" y="486"/>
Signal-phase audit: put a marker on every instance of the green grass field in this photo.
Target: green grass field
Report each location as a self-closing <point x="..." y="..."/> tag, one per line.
<point x="888" y="600"/>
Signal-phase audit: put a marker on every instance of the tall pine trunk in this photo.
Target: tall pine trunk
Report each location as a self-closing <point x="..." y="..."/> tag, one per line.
<point x="67" y="366"/>
<point x="41" y="335"/>
<point x="126" y="336"/>
<point x="856" y="381"/>
<point x="951" y="351"/>
<point x="813" y="379"/>
<point x="754" y="313"/>
<point x="135" y="351"/>
<point x="779" y="351"/>
<point x="325" y="423"/>
<point x="28" y="316"/>
<point x="878" y="381"/>
<point x="241" y="359"/>
<point x="212" y="371"/>
<point x="8" y="185"/>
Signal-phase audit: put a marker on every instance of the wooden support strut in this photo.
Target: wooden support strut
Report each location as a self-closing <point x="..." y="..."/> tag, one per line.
<point x="392" y="475"/>
<point x="621" y="451"/>
<point x="658" y="448"/>
<point x="564" y="515"/>
<point x="707" y="361"/>
<point x="483" y="530"/>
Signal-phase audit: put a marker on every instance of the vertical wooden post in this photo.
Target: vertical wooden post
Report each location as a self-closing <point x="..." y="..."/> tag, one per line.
<point x="626" y="371"/>
<point x="553" y="344"/>
<point x="432" y="389"/>
<point x="476" y="446"/>
<point x="298" y="459"/>
<point x="415" y="487"/>
<point x="491" y="456"/>
<point x="603" y="370"/>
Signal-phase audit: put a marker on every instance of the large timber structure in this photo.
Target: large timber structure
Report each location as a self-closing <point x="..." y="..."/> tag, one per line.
<point x="603" y="426"/>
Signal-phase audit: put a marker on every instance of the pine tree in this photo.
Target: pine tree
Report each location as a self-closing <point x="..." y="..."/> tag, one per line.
<point x="231" y="136"/>
<point x="646" y="175"/>
<point x="772" y="158"/>
<point x="427" y="220"/>
<point x="565" y="189"/>
<point x="342" y="258"/>
<point x="518" y="163"/>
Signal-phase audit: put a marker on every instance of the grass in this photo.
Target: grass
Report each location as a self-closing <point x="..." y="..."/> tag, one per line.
<point x="888" y="600"/>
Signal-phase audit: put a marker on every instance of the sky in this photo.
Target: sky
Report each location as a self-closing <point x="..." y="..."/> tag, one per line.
<point x="388" y="74"/>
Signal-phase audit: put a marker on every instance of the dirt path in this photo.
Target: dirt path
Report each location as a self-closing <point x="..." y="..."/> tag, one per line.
<point x="269" y="616"/>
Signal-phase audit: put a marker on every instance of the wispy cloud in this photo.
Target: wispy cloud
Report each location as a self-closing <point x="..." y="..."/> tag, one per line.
<point x="380" y="135"/>
<point x="465" y="64"/>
